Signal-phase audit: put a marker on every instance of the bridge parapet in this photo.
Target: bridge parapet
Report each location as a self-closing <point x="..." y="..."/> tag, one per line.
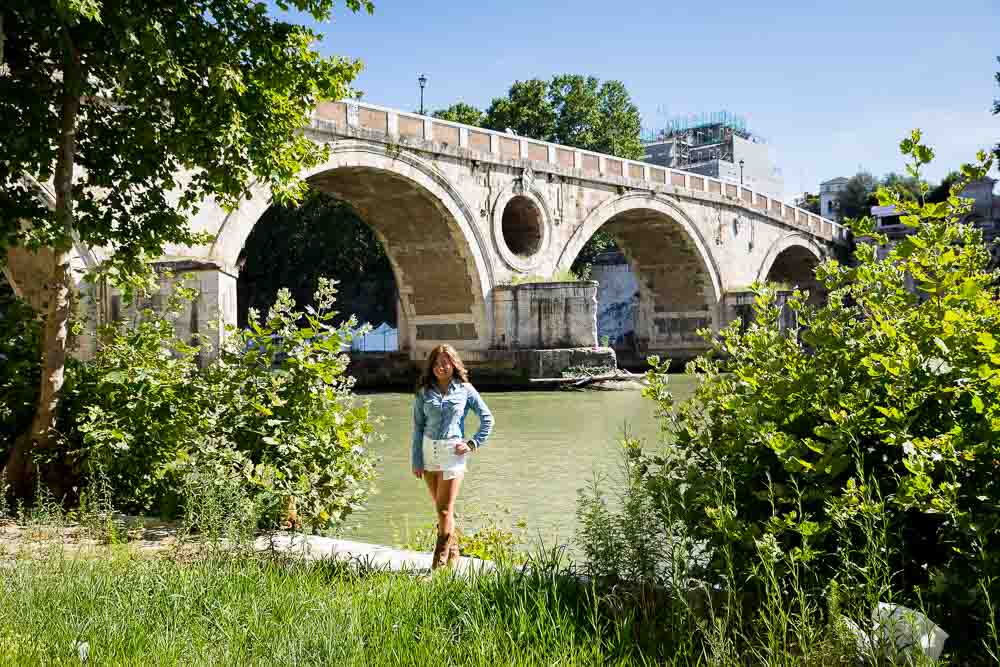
<point x="435" y="135"/>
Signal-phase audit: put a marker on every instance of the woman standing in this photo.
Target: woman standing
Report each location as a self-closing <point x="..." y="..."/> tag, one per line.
<point x="439" y="447"/>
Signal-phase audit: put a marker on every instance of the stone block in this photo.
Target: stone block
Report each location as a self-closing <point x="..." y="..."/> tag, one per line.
<point x="545" y="315"/>
<point x="552" y="363"/>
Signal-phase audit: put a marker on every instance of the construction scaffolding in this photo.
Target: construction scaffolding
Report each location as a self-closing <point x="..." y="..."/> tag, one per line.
<point x="697" y="138"/>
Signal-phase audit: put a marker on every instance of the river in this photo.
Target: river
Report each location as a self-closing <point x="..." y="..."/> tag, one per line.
<point x="545" y="446"/>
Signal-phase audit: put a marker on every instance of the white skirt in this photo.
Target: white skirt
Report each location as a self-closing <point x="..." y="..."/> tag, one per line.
<point x="440" y="456"/>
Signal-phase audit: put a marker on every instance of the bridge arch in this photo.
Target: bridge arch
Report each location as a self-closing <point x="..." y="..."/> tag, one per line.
<point x="788" y="250"/>
<point x="26" y="270"/>
<point x="428" y="231"/>
<point x="635" y="203"/>
<point x="679" y="284"/>
<point x="792" y="260"/>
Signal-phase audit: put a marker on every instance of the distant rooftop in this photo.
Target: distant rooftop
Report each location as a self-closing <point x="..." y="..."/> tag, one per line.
<point x="707" y="125"/>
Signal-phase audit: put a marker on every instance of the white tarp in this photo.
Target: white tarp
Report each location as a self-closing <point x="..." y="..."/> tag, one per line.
<point x="382" y="338"/>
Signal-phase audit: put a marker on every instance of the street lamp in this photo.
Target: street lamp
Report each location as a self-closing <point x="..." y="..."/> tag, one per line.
<point x="422" y="80"/>
<point x="741" y="172"/>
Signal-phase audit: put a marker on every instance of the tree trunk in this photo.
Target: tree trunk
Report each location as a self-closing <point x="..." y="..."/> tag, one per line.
<point x="20" y="467"/>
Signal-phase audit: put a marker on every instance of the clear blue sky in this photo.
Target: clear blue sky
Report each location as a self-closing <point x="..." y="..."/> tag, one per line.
<point x="833" y="88"/>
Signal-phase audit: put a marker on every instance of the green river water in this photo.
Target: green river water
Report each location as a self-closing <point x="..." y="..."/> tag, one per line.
<point x="545" y="446"/>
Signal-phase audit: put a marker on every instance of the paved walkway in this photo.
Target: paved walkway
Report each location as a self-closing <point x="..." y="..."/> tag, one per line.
<point x="150" y="536"/>
<point x="314" y="547"/>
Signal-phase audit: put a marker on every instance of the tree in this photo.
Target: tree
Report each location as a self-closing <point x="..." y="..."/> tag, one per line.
<point x="942" y="190"/>
<point x="19" y="333"/>
<point x="526" y="110"/>
<point x="808" y="202"/>
<point x="880" y="409"/>
<point x="576" y="100"/>
<point x="908" y="185"/>
<point x="854" y="201"/>
<point x="619" y="125"/>
<point x="112" y="101"/>
<point x="461" y="112"/>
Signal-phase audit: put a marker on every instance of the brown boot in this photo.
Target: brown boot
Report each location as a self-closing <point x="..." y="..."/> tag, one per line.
<point x="453" y="552"/>
<point x="440" y="558"/>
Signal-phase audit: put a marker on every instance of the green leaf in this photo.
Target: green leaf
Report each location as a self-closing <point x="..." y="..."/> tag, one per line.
<point x="977" y="404"/>
<point x="890" y="412"/>
<point x="813" y="445"/>
<point x="941" y="345"/>
<point x="970" y="289"/>
<point x="805" y="464"/>
<point x="116" y="377"/>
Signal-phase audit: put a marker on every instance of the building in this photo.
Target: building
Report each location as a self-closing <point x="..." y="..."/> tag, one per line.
<point x="717" y="145"/>
<point x="829" y="192"/>
<point x="985" y="214"/>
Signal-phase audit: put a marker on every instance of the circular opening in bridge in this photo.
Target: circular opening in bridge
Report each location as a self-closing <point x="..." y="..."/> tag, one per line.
<point x="522" y="226"/>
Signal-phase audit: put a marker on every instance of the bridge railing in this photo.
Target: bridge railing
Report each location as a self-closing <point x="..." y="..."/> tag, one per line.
<point x="413" y="126"/>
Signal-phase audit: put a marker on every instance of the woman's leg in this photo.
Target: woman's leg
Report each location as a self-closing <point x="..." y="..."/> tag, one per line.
<point x="432" y="478"/>
<point x="447" y="492"/>
<point x="440" y="557"/>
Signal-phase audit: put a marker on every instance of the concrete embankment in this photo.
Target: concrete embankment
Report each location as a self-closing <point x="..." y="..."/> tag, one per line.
<point x="493" y="369"/>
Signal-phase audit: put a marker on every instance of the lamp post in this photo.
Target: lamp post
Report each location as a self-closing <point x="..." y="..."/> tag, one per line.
<point x="422" y="80"/>
<point x="741" y="172"/>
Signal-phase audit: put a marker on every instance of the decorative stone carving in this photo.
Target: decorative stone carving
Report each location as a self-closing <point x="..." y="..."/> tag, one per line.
<point x="526" y="182"/>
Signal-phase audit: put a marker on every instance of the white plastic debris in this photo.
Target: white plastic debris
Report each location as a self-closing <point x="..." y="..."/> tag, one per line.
<point x="907" y="630"/>
<point x="897" y="632"/>
<point x="82" y="650"/>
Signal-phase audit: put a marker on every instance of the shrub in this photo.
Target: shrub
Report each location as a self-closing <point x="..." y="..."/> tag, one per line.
<point x="136" y="407"/>
<point x="883" y="403"/>
<point x="19" y="341"/>
<point x="274" y="410"/>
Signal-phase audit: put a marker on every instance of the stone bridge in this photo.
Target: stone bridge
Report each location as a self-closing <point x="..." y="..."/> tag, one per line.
<point x="464" y="212"/>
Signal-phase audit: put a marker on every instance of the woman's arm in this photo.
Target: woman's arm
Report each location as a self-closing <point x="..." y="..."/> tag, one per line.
<point x="416" y="444"/>
<point x="476" y="403"/>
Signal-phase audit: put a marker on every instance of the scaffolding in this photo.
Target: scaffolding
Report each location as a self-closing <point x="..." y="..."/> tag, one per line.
<point x="697" y="138"/>
<point x="703" y="124"/>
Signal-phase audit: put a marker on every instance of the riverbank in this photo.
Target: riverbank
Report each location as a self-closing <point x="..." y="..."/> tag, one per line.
<point x="494" y="370"/>
<point x="290" y="600"/>
<point x="143" y="537"/>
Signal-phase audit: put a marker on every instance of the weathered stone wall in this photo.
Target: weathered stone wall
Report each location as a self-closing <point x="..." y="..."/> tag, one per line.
<point x="494" y="368"/>
<point x="545" y="315"/>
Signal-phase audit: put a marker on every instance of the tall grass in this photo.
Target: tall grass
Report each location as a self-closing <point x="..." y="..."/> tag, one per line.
<point x="685" y="606"/>
<point x="245" y="610"/>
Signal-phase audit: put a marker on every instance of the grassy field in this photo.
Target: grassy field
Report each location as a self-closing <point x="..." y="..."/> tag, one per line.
<point x="263" y="611"/>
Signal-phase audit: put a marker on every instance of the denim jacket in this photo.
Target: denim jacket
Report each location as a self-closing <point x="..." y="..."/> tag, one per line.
<point x="441" y="417"/>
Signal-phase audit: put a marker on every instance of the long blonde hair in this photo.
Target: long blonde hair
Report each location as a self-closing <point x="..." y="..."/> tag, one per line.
<point x="427" y="379"/>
